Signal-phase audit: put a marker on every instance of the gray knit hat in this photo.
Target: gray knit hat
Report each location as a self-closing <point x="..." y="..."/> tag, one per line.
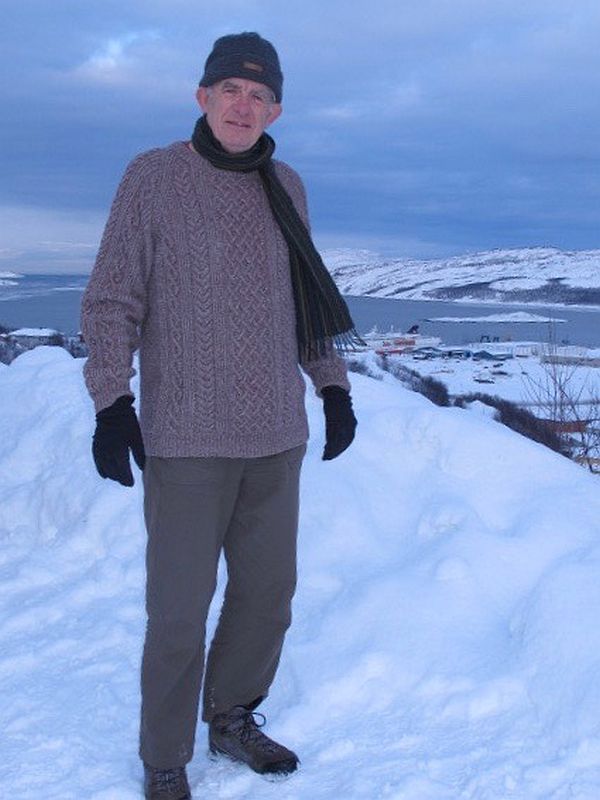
<point x="244" y="55"/>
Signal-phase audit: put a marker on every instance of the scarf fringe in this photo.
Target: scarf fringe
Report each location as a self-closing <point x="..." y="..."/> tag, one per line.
<point x="347" y="342"/>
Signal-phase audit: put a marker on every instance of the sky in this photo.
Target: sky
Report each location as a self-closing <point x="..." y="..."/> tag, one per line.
<point x="420" y="129"/>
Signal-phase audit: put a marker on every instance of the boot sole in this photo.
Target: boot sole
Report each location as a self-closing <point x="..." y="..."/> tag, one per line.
<point x="187" y="796"/>
<point x="280" y="770"/>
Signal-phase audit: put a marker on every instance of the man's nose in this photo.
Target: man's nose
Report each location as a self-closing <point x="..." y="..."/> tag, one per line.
<point x="242" y="104"/>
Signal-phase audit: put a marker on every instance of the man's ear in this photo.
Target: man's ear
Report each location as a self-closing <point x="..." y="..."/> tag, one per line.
<point x="202" y="97"/>
<point x="274" y="113"/>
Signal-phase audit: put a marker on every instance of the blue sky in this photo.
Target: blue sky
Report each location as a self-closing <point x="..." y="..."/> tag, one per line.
<point x="420" y="129"/>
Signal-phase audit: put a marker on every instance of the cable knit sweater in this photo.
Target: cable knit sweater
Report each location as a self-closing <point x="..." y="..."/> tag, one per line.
<point x="193" y="270"/>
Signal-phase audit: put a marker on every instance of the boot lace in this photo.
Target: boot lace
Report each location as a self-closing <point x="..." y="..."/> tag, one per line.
<point x="248" y="729"/>
<point x="169" y="780"/>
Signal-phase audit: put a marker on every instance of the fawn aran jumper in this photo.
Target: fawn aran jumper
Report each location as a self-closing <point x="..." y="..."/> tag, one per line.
<point x="194" y="271"/>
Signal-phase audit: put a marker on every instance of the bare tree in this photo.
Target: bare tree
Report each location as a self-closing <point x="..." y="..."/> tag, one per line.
<point x="569" y="402"/>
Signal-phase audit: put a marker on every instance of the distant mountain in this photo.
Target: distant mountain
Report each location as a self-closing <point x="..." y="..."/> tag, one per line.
<point x="523" y="275"/>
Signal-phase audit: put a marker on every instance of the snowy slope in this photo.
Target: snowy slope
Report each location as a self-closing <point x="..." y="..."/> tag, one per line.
<point x="534" y="274"/>
<point x="445" y="645"/>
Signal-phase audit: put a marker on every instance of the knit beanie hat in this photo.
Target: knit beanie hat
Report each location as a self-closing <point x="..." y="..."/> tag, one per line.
<point x="244" y="55"/>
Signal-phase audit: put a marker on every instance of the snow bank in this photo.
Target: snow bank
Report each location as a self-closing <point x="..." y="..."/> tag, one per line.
<point x="445" y="643"/>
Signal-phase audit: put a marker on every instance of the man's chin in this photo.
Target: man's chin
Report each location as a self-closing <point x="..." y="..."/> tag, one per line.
<point x="238" y="146"/>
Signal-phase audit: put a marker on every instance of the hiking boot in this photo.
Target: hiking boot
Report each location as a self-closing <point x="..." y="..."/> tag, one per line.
<point x="237" y="735"/>
<point x="166" y="784"/>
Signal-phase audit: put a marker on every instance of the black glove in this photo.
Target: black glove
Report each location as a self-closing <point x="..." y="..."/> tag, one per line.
<point x="118" y="431"/>
<point x="340" y="422"/>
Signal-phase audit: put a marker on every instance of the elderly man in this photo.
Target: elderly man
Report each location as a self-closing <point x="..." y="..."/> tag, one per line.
<point x="207" y="265"/>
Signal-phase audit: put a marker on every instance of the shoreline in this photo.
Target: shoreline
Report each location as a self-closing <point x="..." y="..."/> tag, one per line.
<point x="474" y="302"/>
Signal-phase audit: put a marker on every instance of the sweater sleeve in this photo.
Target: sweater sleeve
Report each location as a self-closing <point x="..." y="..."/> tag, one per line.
<point x="114" y="302"/>
<point x="330" y="369"/>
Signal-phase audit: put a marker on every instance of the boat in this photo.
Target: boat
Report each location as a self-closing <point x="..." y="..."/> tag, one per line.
<point x="395" y="343"/>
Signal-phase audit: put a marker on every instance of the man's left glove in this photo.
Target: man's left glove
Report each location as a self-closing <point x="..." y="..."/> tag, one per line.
<point x="117" y="432"/>
<point x="340" y="422"/>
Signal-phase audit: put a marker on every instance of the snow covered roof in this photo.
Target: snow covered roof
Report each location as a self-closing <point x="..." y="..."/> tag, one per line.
<point x="34" y="332"/>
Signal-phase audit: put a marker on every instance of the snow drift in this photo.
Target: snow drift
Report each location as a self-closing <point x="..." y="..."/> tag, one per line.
<point x="445" y="642"/>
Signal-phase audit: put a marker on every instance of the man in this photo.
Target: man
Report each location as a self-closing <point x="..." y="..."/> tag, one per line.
<point x="207" y="265"/>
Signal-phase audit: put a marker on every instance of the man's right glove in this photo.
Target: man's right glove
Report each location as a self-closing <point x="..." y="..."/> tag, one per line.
<point x="340" y="422"/>
<point x="118" y="431"/>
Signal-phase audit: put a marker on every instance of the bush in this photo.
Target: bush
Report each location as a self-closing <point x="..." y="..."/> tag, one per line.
<point x="429" y="387"/>
<point x="56" y="340"/>
<point x="375" y="366"/>
<point x="519" y="420"/>
<point x="363" y="364"/>
<point x="434" y="390"/>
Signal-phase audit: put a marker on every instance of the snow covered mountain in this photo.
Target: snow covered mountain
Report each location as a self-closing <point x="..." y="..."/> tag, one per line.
<point x="526" y="275"/>
<point x="445" y="642"/>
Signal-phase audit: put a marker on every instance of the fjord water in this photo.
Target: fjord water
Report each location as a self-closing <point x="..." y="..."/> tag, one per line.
<point x="53" y="301"/>
<point x="42" y="301"/>
<point x="581" y="326"/>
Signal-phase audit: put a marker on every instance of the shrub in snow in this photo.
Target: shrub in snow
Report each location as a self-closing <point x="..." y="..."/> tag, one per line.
<point x="375" y="366"/>
<point x="364" y="364"/>
<point x="433" y="390"/>
<point x="9" y="351"/>
<point x="429" y="387"/>
<point x="519" y="420"/>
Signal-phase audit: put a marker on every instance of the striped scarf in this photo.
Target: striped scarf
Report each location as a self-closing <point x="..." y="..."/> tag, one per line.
<point x="322" y="315"/>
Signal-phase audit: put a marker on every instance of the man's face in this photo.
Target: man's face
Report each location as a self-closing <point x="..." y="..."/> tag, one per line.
<point x="238" y="111"/>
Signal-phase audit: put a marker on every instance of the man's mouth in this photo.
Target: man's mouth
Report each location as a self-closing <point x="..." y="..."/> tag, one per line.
<point x="238" y="124"/>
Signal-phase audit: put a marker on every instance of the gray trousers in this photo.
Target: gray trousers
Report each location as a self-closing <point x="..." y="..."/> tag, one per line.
<point x="194" y="509"/>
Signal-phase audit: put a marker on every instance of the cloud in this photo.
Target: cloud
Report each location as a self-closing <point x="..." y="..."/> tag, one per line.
<point x="117" y="61"/>
<point x="444" y="121"/>
<point x="388" y="244"/>
<point x="339" y="112"/>
<point x="384" y="101"/>
<point x="67" y="247"/>
<point x="46" y="240"/>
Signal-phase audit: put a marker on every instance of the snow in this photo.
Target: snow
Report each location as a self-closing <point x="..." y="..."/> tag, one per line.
<point x="445" y="643"/>
<point x="517" y="379"/>
<point x="34" y="332"/>
<point x="363" y="272"/>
